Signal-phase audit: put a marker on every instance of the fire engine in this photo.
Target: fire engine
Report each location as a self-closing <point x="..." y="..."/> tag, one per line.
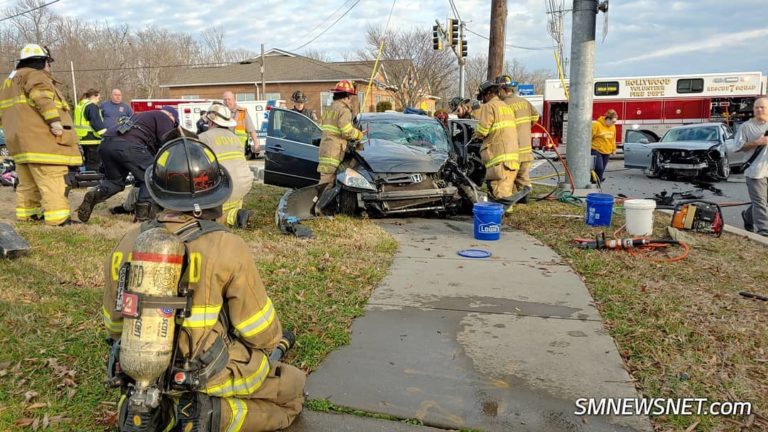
<point x="654" y="104"/>
<point x="141" y="105"/>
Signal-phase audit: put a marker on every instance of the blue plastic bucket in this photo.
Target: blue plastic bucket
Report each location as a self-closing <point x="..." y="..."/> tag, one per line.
<point x="599" y="209"/>
<point x="488" y="220"/>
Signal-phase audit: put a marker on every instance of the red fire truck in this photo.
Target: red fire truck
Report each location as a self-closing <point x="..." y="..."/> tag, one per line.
<point x="141" y="105"/>
<point x="653" y="104"/>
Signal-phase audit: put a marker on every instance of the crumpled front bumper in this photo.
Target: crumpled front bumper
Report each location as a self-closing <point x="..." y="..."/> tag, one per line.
<point x="294" y="207"/>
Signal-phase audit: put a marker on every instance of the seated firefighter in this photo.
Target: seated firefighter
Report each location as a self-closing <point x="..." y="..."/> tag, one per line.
<point x="209" y="369"/>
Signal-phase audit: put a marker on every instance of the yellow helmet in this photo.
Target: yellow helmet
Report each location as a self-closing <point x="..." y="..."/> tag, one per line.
<point x="34" y="51"/>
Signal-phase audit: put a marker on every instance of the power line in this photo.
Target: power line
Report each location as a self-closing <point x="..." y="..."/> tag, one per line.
<point x="455" y="10"/>
<point x="513" y="46"/>
<point x="329" y="27"/>
<point x="28" y="11"/>
<point x="329" y="17"/>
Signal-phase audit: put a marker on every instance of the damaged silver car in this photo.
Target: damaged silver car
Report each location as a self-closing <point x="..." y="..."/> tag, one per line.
<point x="408" y="167"/>
<point x="705" y="150"/>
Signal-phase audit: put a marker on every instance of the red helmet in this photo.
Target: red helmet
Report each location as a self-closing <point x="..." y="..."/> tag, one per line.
<point x="344" y="86"/>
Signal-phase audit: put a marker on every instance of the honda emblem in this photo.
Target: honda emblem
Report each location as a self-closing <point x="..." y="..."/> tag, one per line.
<point x="416" y="178"/>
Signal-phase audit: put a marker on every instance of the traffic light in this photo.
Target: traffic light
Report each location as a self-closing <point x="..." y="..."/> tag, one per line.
<point x="463" y="48"/>
<point x="453" y="31"/>
<point x="437" y="42"/>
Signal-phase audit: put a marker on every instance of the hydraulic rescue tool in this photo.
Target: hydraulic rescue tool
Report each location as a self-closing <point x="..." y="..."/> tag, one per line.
<point x="698" y="216"/>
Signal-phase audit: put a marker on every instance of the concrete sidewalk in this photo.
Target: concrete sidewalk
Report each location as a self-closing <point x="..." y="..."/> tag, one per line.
<point x="506" y="343"/>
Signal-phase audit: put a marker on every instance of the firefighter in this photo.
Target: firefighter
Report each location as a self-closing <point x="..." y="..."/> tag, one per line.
<point x="233" y="323"/>
<point x="90" y="126"/>
<point x="244" y="127"/>
<point x="337" y="130"/>
<point x="497" y="127"/>
<point x="525" y="117"/>
<point x="299" y="105"/>
<point x="229" y="152"/>
<point x="39" y="135"/>
<point x="130" y="148"/>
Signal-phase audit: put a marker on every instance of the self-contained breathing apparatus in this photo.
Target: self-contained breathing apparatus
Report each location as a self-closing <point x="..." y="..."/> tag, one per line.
<point x="154" y="297"/>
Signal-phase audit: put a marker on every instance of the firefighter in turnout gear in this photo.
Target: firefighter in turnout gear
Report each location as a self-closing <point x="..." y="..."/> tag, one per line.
<point x="39" y="135"/>
<point x="337" y="130"/>
<point x="497" y="127"/>
<point x="525" y="117"/>
<point x="299" y="105"/>
<point x="90" y="126"/>
<point x="221" y="378"/>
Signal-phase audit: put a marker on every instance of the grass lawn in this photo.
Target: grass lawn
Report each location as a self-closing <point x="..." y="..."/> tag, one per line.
<point x="52" y="357"/>
<point x="681" y="327"/>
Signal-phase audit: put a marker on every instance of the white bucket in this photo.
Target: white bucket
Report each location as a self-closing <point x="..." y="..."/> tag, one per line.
<point x="638" y="214"/>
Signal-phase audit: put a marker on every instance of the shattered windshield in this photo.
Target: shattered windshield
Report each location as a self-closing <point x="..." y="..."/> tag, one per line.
<point x="691" y="134"/>
<point x="418" y="133"/>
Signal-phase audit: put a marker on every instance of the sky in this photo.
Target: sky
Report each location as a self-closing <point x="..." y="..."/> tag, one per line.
<point x="645" y="37"/>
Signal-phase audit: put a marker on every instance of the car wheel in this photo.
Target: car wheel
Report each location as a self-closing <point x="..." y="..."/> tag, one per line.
<point x="347" y="203"/>
<point x="724" y="169"/>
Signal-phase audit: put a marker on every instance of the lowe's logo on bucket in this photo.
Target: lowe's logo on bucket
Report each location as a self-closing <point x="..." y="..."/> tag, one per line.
<point x="489" y="228"/>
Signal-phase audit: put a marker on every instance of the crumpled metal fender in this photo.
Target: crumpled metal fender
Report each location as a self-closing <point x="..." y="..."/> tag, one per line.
<point x="294" y="207"/>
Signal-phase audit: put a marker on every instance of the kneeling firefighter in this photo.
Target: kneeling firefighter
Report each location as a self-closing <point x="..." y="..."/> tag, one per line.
<point x="190" y="324"/>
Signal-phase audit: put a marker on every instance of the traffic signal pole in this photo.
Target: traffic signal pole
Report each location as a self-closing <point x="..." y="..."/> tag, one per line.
<point x="454" y="36"/>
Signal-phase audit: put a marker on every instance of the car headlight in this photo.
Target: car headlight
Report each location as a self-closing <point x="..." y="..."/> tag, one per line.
<point x="354" y="180"/>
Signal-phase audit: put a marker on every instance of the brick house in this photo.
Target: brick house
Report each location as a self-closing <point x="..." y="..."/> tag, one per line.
<point x="285" y="73"/>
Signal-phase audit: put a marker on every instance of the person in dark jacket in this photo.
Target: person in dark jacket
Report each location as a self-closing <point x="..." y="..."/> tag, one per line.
<point x="202" y="123"/>
<point x="130" y="148"/>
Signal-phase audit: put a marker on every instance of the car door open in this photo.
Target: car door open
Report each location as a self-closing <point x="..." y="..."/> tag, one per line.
<point x="293" y="142"/>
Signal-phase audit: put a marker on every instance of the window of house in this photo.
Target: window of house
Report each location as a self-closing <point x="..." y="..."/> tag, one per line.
<point x="606" y="88"/>
<point x="190" y="96"/>
<point x="326" y="99"/>
<point x="245" y="97"/>
<point x="271" y="96"/>
<point x="690" y="85"/>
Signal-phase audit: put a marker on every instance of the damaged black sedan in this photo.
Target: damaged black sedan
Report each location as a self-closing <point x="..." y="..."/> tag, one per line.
<point x="408" y="167"/>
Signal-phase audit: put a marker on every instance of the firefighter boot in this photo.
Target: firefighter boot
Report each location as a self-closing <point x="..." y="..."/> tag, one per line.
<point x="241" y="219"/>
<point x="134" y="419"/>
<point x="198" y="412"/>
<point x="323" y="205"/>
<point x="145" y="210"/>
<point x="91" y="198"/>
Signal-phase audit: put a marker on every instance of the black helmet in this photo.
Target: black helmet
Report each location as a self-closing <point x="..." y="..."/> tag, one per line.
<point x="186" y="176"/>
<point x="455" y="102"/>
<point x="299" y="97"/>
<point x="485" y="87"/>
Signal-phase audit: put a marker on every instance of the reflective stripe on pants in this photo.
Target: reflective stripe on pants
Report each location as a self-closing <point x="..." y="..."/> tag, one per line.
<point x="43" y="186"/>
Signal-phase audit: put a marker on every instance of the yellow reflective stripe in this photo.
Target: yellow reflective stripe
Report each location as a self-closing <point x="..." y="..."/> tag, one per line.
<point x="112" y="326"/>
<point x="506" y="157"/>
<point x="523" y="150"/>
<point x="535" y="117"/>
<point x="523" y="120"/>
<point x="202" y="316"/>
<point x="51" y="113"/>
<point x="331" y="129"/>
<point x="163" y="159"/>
<point x="506" y="110"/>
<point x="239" y="411"/>
<point x="235" y="155"/>
<point x="195" y="266"/>
<point x="117" y="261"/>
<point x="347" y="128"/>
<point x="229" y="205"/>
<point x="242" y="386"/>
<point x="56" y="215"/>
<point x="257" y="322"/>
<point x="47" y="158"/>
<point x="101" y="131"/>
<point x="503" y="125"/>
<point x="482" y="129"/>
<point x="209" y="154"/>
<point x="42" y="93"/>
<point x="27" y="212"/>
<point x="329" y="161"/>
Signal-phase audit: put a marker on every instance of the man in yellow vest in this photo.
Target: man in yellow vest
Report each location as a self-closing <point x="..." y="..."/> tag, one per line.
<point x="89" y="126"/>
<point x="39" y="135"/>
<point x="525" y="117"/>
<point x="497" y="127"/>
<point x="244" y="127"/>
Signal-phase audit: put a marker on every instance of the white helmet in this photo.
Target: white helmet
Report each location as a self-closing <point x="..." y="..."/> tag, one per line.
<point x="34" y="51"/>
<point x="221" y="115"/>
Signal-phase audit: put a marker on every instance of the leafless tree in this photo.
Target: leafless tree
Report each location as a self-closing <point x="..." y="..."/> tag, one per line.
<point x="317" y="54"/>
<point x="411" y="65"/>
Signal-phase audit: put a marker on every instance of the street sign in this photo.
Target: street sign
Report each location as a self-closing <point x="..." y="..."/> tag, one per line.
<point x="525" y="89"/>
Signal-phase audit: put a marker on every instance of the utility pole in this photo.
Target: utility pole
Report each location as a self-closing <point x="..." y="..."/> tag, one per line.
<point x="74" y="86"/>
<point x="462" y="60"/>
<point x="497" y="38"/>
<point x="581" y="86"/>
<point x="263" y="81"/>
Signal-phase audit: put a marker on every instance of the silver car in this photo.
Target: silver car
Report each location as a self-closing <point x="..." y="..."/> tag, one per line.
<point x="700" y="150"/>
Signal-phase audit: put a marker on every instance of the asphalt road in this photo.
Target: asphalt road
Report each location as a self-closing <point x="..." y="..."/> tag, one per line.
<point x="634" y="184"/>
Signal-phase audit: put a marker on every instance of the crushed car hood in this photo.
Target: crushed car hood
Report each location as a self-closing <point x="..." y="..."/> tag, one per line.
<point x="684" y="145"/>
<point x="389" y="157"/>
